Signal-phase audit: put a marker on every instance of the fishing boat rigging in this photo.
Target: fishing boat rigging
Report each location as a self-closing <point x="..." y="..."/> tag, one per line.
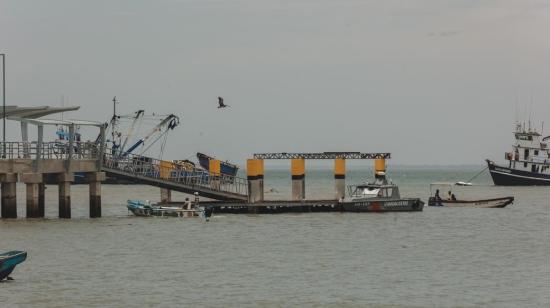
<point x="123" y="144"/>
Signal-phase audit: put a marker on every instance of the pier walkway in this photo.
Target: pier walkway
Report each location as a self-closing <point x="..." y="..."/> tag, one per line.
<point x="174" y="176"/>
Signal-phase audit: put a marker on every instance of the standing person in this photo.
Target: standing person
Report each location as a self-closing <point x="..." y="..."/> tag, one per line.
<point x="449" y="195"/>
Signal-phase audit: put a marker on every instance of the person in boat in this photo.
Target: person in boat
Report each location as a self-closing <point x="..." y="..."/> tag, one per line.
<point x="186" y="204"/>
<point x="437" y="198"/>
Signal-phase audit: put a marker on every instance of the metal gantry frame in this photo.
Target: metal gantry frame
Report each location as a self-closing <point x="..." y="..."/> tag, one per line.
<point x="323" y="155"/>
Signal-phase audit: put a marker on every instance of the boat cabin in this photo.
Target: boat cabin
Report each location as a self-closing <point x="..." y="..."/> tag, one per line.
<point x="373" y="191"/>
<point x="530" y="151"/>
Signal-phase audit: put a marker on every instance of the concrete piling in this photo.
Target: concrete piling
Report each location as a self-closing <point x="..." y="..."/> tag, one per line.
<point x="9" y="195"/>
<point x="340" y="178"/>
<point x="165" y="195"/>
<point x="33" y="181"/>
<point x="298" y="178"/>
<point x="255" y="177"/>
<point x="95" y="179"/>
<point x="42" y="199"/>
<point x="165" y="171"/>
<point x="64" y="185"/>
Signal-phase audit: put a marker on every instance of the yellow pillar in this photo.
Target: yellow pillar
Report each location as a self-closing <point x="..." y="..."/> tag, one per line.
<point x="255" y="176"/>
<point x="340" y="177"/>
<point x="298" y="170"/>
<point x="380" y="168"/>
<point x="214" y="167"/>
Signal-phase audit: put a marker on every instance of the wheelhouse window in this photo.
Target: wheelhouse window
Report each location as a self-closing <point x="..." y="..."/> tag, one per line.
<point x="524" y="137"/>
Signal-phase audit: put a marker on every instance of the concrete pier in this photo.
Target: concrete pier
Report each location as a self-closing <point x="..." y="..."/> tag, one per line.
<point x="95" y="180"/>
<point x="33" y="181"/>
<point x="298" y="167"/>
<point x="214" y="166"/>
<point x="255" y="177"/>
<point x="64" y="185"/>
<point x="9" y="195"/>
<point x="340" y="178"/>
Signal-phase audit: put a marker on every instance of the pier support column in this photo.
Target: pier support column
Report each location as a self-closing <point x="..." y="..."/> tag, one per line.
<point x="298" y="170"/>
<point x="214" y="167"/>
<point x="33" y="181"/>
<point x="95" y="180"/>
<point x="42" y="198"/>
<point x="340" y="178"/>
<point x="9" y="195"/>
<point x="165" y="172"/>
<point x="64" y="185"/>
<point x="255" y="177"/>
<point x="165" y="195"/>
<point x="380" y="168"/>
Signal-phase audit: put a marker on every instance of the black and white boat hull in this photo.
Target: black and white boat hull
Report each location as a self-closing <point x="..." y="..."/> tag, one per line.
<point x="511" y="177"/>
<point x="381" y="205"/>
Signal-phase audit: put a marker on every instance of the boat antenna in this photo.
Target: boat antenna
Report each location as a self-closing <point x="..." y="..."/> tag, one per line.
<point x="114" y="107"/>
<point x="530" y="112"/>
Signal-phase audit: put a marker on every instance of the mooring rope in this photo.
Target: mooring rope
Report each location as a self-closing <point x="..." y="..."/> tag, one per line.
<point x="475" y="176"/>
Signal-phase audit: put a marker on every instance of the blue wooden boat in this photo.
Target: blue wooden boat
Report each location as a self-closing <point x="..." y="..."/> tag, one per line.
<point x="145" y="208"/>
<point x="226" y="168"/>
<point x="9" y="260"/>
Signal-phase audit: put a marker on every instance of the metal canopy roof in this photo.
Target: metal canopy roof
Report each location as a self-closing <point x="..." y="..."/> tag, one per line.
<point x="57" y="122"/>
<point x="34" y="112"/>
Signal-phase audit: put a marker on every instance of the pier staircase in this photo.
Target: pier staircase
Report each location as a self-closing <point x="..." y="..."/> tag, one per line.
<point x="175" y="176"/>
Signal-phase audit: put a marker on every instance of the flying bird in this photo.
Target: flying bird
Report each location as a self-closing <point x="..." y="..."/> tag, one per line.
<point x="220" y="103"/>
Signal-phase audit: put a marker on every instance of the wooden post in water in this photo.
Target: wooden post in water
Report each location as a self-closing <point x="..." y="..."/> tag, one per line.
<point x="95" y="179"/>
<point x="298" y="171"/>
<point x="9" y="195"/>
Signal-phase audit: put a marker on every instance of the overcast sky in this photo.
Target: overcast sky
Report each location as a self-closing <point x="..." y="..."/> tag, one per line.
<point x="431" y="81"/>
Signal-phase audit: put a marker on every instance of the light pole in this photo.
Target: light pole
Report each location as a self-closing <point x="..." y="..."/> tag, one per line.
<point x="3" y="105"/>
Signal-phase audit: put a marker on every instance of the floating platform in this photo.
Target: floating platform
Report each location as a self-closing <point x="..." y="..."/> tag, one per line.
<point x="288" y="206"/>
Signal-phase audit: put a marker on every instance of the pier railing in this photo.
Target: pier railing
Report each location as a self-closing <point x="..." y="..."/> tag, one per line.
<point x="185" y="175"/>
<point x="50" y="150"/>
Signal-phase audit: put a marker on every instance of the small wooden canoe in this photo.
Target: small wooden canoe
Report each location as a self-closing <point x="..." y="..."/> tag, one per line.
<point x="9" y="260"/>
<point x="482" y="203"/>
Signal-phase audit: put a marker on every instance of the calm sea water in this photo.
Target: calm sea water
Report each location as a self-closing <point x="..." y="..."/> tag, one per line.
<point x="441" y="257"/>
